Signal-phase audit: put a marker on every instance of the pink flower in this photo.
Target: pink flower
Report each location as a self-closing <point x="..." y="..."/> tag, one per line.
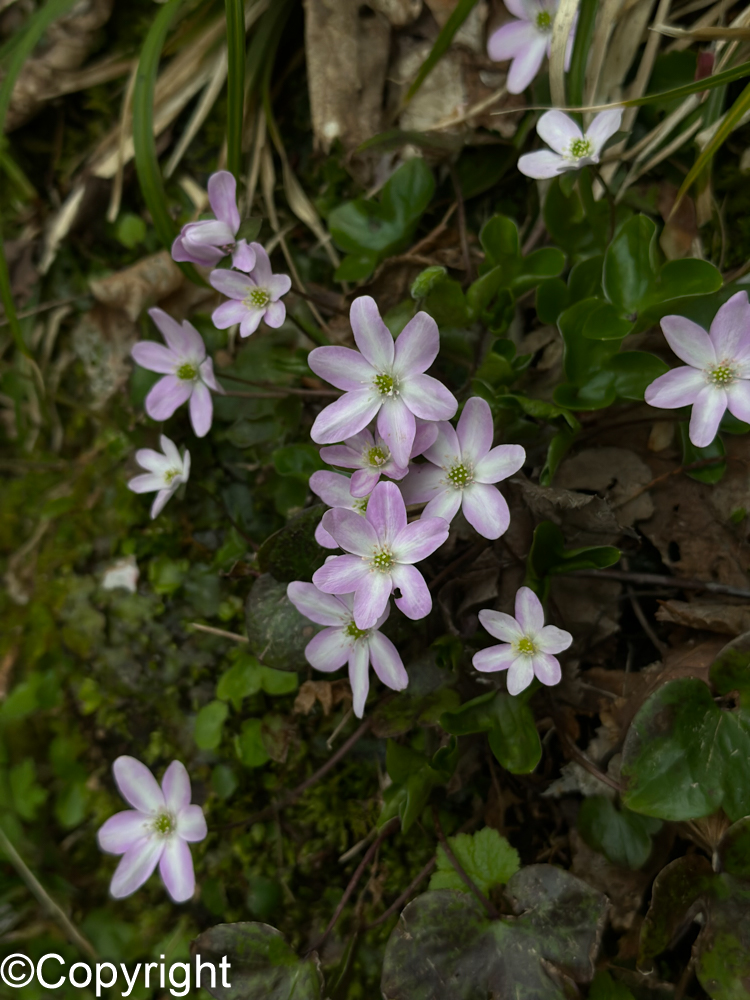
<point x="371" y="457"/>
<point x="344" y="642"/>
<point x="526" y="41"/>
<point x="165" y="473"/>
<point x="253" y="297"/>
<point x="335" y="490"/>
<point x="383" y="381"/>
<point x="188" y="373"/>
<point x="383" y="550"/>
<point x="156" y="831"/>
<point x="717" y="373"/>
<point x="572" y="149"/>
<point x="527" y="644"/>
<point x="207" y="242"/>
<point x="462" y="467"/>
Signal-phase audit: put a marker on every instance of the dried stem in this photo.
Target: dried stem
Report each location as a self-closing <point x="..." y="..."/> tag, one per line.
<point x="489" y="908"/>
<point x="659" y="580"/>
<point x="398" y="903"/>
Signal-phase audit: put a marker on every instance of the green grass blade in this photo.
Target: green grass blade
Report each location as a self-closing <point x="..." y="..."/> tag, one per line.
<point x="459" y="14"/>
<point x="581" y="47"/>
<point x="146" y="160"/>
<point x="235" y="83"/>
<point x="728" y="76"/>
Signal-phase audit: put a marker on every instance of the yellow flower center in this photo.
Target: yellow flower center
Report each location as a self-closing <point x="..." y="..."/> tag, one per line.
<point x="525" y="645"/>
<point x="170" y="475"/>
<point x="361" y="505"/>
<point x="258" y="298"/>
<point x="163" y="825"/>
<point x="376" y="456"/>
<point x="544" y="21"/>
<point x="355" y="633"/>
<point x="580" y="148"/>
<point x="385" y="384"/>
<point x="187" y="372"/>
<point x="460" y="476"/>
<point x="382" y="561"/>
<point x="722" y="375"/>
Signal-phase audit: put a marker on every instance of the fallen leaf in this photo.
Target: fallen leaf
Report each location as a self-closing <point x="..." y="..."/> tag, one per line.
<point x="713" y="616"/>
<point x="141" y="285"/>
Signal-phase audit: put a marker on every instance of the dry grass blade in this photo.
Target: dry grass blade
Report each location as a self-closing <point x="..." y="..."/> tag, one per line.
<point x="564" y="19"/>
<point x="201" y="111"/>
<point x="703" y="34"/>
<point x="709" y="18"/>
<point x="640" y="168"/>
<point x="606" y="20"/>
<point x="127" y="113"/>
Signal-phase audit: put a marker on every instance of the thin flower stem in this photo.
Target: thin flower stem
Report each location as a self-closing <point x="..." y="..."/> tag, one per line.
<point x="489" y="908"/>
<point x="41" y="894"/>
<point x="390" y="827"/>
<point x="398" y="903"/>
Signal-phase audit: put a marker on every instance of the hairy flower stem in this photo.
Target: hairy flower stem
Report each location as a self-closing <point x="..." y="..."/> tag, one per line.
<point x="489" y="908"/>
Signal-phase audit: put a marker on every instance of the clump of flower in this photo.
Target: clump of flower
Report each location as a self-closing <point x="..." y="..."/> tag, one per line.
<point x="252" y="297"/>
<point x="571" y="149"/>
<point x="527" y="644"/>
<point x="188" y="373"/>
<point x="382" y="549"/>
<point x="717" y="374"/>
<point x="526" y="41"/>
<point x="156" y="831"/>
<point x="372" y="458"/>
<point x="335" y="490"/>
<point x="165" y="473"/>
<point x="344" y="642"/>
<point x="463" y="466"/>
<point x="383" y="380"/>
<point x="206" y="242"/>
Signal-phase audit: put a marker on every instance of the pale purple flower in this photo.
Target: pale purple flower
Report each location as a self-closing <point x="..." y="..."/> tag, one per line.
<point x="253" y="297"/>
<point x="462" y="466"/>
<point x="526" y="41"/>
<point x="156" y="831"/>
<point x="383" y="549"/>
<point x="206" y="242"/>
<point x="372" y="458"/>
<point x="527" y="644"/>
<point x="386" y="381"/>
<point x="344" y="642"/>
<point x="188" y="373"/>
<point x="571" y="149"/>
<point x="165" y="473"/>
<point x="335" y="490"/>
<point x="717" y="373"/>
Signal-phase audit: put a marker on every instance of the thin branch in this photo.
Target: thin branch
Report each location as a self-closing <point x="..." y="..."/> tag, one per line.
<point x="38" y="309"/>
<point x="585" y="762"/>
<point x="398" y="903"/>
<point x="218" y="631"/>
<point x="390" y="827"/>
<point x="660" y="580"/>
<point x="489" y="908"/>
<point x="283" y="393"/>
<point x="463" y="235"/>
<point x="640" y="615"/>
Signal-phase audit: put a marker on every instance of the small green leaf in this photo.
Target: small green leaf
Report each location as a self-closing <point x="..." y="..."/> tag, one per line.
<point x="414" y="776"/>
<point x="604" y="987"/>
<point x="622" y="836"/>
<point x="486" y="857"/>
<point x="250" y="745"/>
<point x="633" y="371"/>
<point x="209" y="725"/>
<point x="429" y="694"/>
<point x="427" y="280"/>
<point x="630" y="264"/>
<point x="277" y="633"/>
<point x="297" y="460"/>
<point x="130" y="230"/>
<point x="548" y="556"/>
<point x="713" y="455"/>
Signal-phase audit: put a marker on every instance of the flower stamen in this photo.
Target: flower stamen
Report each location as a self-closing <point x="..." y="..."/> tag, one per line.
<point x="544" y="21"/>
<point x="385" y="384"/>
<point x="722" y="375"/>
<point x="170" y="475"/>
<point x="382" y="561"/>
<point x="376" y="456"/>
<point x="187" y="372"/>
<point x="258" y="298"/>
<point x="164" y="825"/>
<point x="526" y="646"/>
<point x="355" y="633"/>
<point x="460" y="476"/>
<point x="580" y="148"/>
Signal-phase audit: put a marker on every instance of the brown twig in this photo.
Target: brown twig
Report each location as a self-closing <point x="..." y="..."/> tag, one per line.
<point x="270" y="811"/>
<point x="489" y="908"/>
<point x="222" y="633"/>
<point x="659" y="580"/>
<point x="586" y="763"/>
<point x="283" y="393"/>
<point x="704" y="463"/>
<point x="390" y="827"/>
<point x="463" y="235"/>
<point x="640" y="615"/>
<point x="37" y="309"/>
<point x="398" y="903"/>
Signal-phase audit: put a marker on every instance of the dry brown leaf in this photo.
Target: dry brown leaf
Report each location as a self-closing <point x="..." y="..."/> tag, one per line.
<point x="398" y="12"/>
<point x="328" y="693"/>
<point x="139" y="286"/>
<point x="103" y="339"/>
<point x="713" y="616"/>
<point x="615" y="474"/>
<point x="624" y="888"/>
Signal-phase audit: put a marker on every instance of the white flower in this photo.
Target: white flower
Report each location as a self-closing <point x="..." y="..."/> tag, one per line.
<point x="165" y="473"/>
<point x="572" y="149"/>
<point x="527" y="644"/>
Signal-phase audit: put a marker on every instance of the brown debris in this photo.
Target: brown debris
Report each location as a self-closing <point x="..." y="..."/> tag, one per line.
<point x="713" y="616"/>
<point x="139" y="286"/>
<point x="328" y="693"/>
<point x="624" y="888"/>
<point x="103" y="339"/>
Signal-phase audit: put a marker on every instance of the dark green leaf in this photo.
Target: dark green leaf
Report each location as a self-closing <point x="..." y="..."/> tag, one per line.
<point x="429" y="694"/>
<point x="486" y="857"/>
<point x="548" y="556"/>
<point x="427" y="280"/>
<point x="633" y="371"/>
<point x="712" y="455"/>
<point x="276" y="631"/>
<point x="235" y="15"/>
<point x="292" y="552"/>
<point x="630" y="264"/>
<point x="622" y="836"/>
<point x="209" y="725"/>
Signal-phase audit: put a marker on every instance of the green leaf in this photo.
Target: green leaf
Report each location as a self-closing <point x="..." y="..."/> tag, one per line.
<point x="292" y="552"/>
<point x="622" y="836"/>
<point x="414" y="776"/>
<point x="630" y="264"/>
<point x="429" y="694"/>
<point x="28" y="794"/>
<point x="733" y="851"/>
<point x="297" y="460"/>
<point x="604" y="987"/>
<point x="684" y="757"/>
<point x="209" y="725"/>
<point x="633" y="371"/>
<point x="583" y="357"/>
<point x="513" y="736"/>
<point x="356" y="266"/>
<point x="427" y="280"/>
<point x="713" y="455"/>
<point x="690" y="276"/>
<point x="558" y="448"/>
<point x="442" y="43"/>
<point x="250" y="745"/>
<point x="130" y="230"/>
<point x="486" y="857"/>
<point x="262" y="964"/>
<point x="444" y="946"/>
<point x="548" y="557"/>
<point x="166" y="575"/>
<point x="235" y="15"/>
<point x="277" y="633"/>
<point x="446" y="304"/>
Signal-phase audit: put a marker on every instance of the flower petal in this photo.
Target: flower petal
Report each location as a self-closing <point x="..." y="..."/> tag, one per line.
<point x="418" y="540"/>
<point x="342" y="367"/>
<point x="475" y="430"/>
<point x="161" y="499"/>
<point x="228" y="313"/>
<point x="500" y="626"/>
<point x="446" y="450"/>
<point x="446" y="504"/>
<point x="603" y="127"/>
<point x="510" y="40"/>
<point x="387" y="663"/>
<point x="678" y="387"/>
<point x="526" y="64"/>
<point x="329" y="650"/>
<point x="262" y="272"/>
<point x="147" y="483"/>
<point x="546" y="668"/>
<point x="324" y="539"/>
<point x="222" y="196"/>
<point x="176" y="870"/>
<point x="278" y="285"/>
<point x="343" y="456"/>
<point x="154" y="357"/>
<point x="332" y="488"/>
<point x="166" y="396"/>
<point x="323" y="609"/>
<point x="689" y="341"/>
<point x="340" y="575"/>
<point x="234" y="284"/>
<point x="206" y="256"/>
<point x="553" y="639"/>
<point x="371" y="598"/>
<point x="138" y="786"/>
<point x="122" y="831"/>
<point x="201" y="409"/>
<point x="274" y="315"/>
<point x="498" y="464"/>
<point x="386" y="514"/>
<point x="520" y="674"/>
<point x="708" y="409"/>
<point x="352" y="531"/>
<point x="518" y="8"/>
<point x="486" y="510"/>
<point x="359" y="677"/>
<point x="397" y="427"/>
<point x="730" y="330"/>
<point x="417" y="345"/>
<point x="529" y="611"/>
<point x="543" y="164"/>
<point x="738" y="399"/>
<point x="371" y="335"/>
<point x="424" y="438"/>
<point x="136" y="866"/>
<point x="415" y="601"/>
<point x="243" y="256"/>
<point x="154" y="461"/>
<point x="206" y="371"/>
<point x="558" y="130"/>
<point x="251" y="321"/>
<point x="364" y="481"/>
<point x="182" y="338"/>
<point x="494" y="658"/>
<point x="191" y="824"/>
<point x="427" y="398"/>
<point x="197" y="237"/>
<point x="345" y="417"/>
<point x="423" y="483"/>
<point x="176" y="787"/>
